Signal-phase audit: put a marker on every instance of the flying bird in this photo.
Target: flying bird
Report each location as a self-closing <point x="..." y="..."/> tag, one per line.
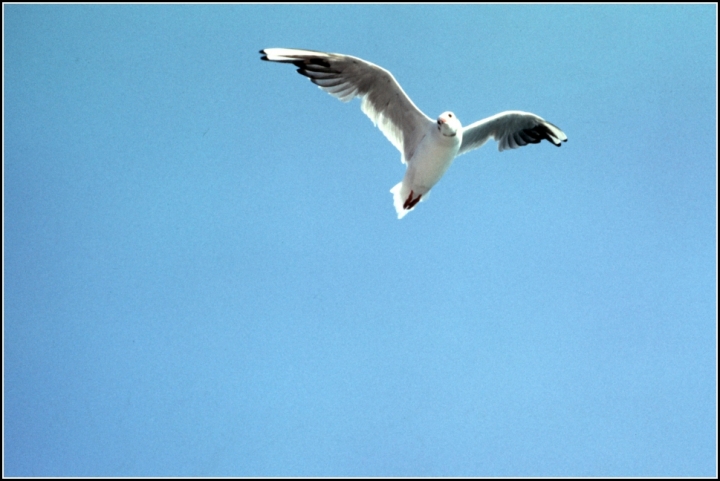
<point x="427" y="147"/>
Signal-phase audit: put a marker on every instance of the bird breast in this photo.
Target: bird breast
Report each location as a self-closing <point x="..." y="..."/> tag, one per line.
<point x="432" y="157"/>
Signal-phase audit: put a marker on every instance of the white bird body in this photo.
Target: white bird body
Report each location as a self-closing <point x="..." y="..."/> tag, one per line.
<point x="428" y="148"/>
<point x="432" y="157"/>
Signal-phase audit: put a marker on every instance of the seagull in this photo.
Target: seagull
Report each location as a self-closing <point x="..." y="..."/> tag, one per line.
<point x="427" y="147"/>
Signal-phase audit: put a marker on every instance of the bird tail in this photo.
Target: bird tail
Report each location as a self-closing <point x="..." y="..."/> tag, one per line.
<point x="399" y="196"/>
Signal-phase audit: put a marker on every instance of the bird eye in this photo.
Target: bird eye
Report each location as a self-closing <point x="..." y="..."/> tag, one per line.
<point x="450" y="115"/>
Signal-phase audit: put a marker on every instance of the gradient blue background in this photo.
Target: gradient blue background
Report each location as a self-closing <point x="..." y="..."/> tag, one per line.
<point x="204" y="273"/>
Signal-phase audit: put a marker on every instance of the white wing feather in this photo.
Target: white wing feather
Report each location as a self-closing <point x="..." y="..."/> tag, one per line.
<point x="347" y="77"/>
<point x="511" y="129"/>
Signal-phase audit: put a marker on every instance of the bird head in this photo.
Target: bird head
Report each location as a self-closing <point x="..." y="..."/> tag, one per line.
<point x="448" y="124"/>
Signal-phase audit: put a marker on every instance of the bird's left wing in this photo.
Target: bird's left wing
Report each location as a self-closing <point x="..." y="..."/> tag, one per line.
<point x="511" y="129"/>
<point x="346" y="77"/>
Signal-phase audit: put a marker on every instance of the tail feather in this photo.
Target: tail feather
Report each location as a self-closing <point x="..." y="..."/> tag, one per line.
<point x="400" y="200"/>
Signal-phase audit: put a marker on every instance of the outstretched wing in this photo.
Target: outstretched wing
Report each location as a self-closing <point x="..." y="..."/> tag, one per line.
<point x="511" y="129"/>
<point x="346" y="77"/>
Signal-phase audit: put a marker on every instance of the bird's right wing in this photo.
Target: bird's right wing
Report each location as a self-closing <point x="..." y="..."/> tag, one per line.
<point x="511" y="129"/>
<point x="346" y="77"/>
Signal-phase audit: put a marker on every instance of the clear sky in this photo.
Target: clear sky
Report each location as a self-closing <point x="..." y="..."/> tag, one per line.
<point x="204" y="273"/>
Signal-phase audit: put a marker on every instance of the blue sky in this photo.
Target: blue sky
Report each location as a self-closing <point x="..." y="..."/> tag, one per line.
<point x="204" y="274"/>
